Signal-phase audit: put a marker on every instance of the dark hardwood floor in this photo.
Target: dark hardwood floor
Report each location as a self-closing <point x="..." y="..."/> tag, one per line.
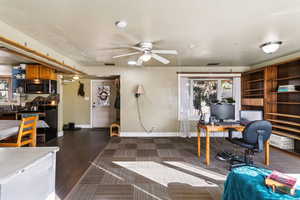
<point x="77" y="150"/>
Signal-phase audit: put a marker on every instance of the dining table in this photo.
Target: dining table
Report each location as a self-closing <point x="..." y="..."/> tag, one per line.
<point x="10" y="128"/>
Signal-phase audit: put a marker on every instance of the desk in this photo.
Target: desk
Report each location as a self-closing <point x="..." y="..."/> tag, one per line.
<point x="222" y="128"/>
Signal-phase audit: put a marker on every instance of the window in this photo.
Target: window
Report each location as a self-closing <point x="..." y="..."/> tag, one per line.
<point x="5" y="90"/>
<point x="197" y="93"/>
<point x="206" y="91"/>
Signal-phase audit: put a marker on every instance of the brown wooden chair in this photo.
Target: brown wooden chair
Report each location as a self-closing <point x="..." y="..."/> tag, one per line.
<point x="26" y="135"/>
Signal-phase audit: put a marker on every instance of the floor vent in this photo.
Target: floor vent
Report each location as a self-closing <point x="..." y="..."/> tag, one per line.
<point x="109" y="64"/>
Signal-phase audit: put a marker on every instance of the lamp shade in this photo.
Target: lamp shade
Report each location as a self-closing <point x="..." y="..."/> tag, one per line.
<point x="140" y="90"/>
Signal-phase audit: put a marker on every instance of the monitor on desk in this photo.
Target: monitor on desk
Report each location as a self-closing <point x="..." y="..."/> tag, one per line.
<point x="251" y="115"/>
<point x="223" y="111"/>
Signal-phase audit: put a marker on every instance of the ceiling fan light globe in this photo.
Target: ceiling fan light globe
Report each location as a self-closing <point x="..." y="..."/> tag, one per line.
<point x="146" y="57"/>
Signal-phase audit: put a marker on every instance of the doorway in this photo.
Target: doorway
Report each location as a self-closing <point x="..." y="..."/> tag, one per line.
<point x="104" y="102"/>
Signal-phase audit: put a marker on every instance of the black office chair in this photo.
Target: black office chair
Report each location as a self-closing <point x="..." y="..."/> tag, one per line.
<point x="255" y="134"/>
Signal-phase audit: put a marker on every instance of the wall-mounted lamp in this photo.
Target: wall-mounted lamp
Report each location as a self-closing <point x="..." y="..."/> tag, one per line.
<point x="139" y="91"/>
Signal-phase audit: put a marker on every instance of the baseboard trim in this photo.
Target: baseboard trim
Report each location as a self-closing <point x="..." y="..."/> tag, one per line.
<point x="60" y="133"/>
<point x="172" y="134"/>
<point x="82" y="125"/>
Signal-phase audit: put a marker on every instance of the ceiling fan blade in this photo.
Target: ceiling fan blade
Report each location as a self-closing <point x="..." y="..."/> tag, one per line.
<point x="127" y="54"/>
<point x="160" y="59"/>
<point x="136" y="48"/>
<point x="173" y="52"/>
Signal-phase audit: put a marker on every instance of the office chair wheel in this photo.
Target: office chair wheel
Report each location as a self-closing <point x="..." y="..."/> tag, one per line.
<point x="224" y="156"/>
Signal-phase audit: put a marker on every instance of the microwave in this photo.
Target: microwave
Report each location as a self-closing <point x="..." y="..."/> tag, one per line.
<point x="38" y="86"/>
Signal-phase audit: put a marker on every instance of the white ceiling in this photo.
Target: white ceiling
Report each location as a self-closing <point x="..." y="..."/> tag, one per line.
<point x="202" y="31"/>
<point x="7" y="58"/>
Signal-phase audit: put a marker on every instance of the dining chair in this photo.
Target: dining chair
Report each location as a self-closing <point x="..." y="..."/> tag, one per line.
<point x="26" y="135"/>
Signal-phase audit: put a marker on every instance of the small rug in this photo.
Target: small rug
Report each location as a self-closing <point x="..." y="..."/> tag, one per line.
<point x="150" y="169"/>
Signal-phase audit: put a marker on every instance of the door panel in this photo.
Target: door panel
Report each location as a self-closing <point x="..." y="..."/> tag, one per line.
<point x="103" y="114"/>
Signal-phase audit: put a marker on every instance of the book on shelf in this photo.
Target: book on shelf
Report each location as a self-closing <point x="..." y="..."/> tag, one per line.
<point x="288" y="88"/>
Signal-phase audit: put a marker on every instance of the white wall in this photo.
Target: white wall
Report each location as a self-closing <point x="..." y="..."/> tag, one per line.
<point x="5" y="70"/>
<point x="159" y="104"/>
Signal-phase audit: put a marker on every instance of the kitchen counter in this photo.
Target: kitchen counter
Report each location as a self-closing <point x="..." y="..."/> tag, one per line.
<point x="27" y="173"/>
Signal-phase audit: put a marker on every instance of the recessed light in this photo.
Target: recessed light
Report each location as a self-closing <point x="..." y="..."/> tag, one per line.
<point x="270" y="47"/>
<point x="76" y="77"/>
<point x="121" y="24"/>
<point x="132" y="62"/>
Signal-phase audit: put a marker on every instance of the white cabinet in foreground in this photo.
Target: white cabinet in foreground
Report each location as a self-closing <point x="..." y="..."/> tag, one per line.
<point x="27" y="173"/>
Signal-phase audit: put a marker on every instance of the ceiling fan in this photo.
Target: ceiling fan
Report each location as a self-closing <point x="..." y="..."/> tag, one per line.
<point x="145" y="48"/>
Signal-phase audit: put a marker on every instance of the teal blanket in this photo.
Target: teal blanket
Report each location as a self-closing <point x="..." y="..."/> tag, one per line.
<point x="247" y="183"/>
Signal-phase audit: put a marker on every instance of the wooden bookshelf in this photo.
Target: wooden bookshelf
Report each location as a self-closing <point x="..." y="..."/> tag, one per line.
<point x="284" y="122"/>
<point x="288" y="78"/>
<point x="286" y="92"/>
<point x="256" y="80"/>
<point x="284" y="115"/>
<point x="286" y="128"/>
<point x="287" y="103"/>
<point x="253" y="102"/>
<point x="253" y="95"/>
<point x="286" y="134"/>
<point x="253" y="89"/>
<point x="282" y="109"/>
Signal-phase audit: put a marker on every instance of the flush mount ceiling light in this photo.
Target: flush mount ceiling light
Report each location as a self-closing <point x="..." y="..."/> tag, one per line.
<point x="270" y="47"/>
<point x="132" y="62"/>
<point x="76" y="77"/>
<point x="121" y="24"/>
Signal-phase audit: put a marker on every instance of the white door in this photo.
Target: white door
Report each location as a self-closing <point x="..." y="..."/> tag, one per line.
<point x="103" y="96"/>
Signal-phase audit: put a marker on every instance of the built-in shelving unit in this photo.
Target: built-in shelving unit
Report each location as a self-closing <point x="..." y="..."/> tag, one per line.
<point x="287" y="92"/>
<point x="286" y="134"/>
<point x="282" y="109"/>
<point x="283" y="115"/>
<point x="288" y="78"/>
<point x="280" y="102"/>
<point x="253" y="89"/>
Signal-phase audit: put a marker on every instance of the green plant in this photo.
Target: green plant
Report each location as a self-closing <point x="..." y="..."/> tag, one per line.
<point x="230" y="100"/>
<point x="204" y="93"/>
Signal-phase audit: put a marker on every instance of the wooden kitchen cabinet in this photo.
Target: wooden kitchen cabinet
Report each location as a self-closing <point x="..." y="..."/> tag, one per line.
<point x="32" y="72"/>
<point x="40" y="72"/>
